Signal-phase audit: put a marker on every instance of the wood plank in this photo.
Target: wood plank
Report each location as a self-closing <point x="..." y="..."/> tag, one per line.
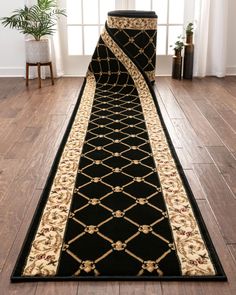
<point x="98" y="288"/>
<point x="191" y="142"/>
<point x="61" y="101"/>
<point x="232" y="249"/>
<point x="10" y="112"/>
<point x="207" y="110"/>
<point x="4" y="86"/>
<point x="8" y="138"/>
<point x="198" y="122"/>
<point x="168" y="123"/>
<point x="25" y="142"/>
<point x="218" y="288"/>
<point x="140" y="288"/>
<point x="9" y="88"/>
<point x="222" y="128"/>
<point x="226" y="163"/>
<point x="15" y="204"/>
<point x="195" y="185"/>
<point x="220" y="197"/>
<point x="190" y="87"/>
<point x="230" y="117"/>
<point x="228" y="83"/>
<point x="8" y="171"/>
<point x="58" y="288"/>
<point x="169" y="100"/>
<point x="36" y="106"/>
<point x="199" y="91"/>
<point x="221" y="100"/>
<point x="7" y="288"/>
<point x="184" y="158"/>
<point x="62" y="108"/>
<point x="69" y="88"/>
<point x="44" y="136"/>
<point x="181" y="288"/>
<point x="15" y="101"/>
<point x="17" y="125"/>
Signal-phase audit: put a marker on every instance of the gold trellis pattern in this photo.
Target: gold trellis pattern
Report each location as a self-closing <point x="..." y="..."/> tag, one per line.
<point x="190" y="246"/>
<point x="117" y="205"/>
<point x="137" y="36"/>
<point x="109" y="135"/>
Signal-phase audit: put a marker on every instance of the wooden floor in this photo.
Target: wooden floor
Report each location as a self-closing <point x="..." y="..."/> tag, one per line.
<point x="201" y="118"/>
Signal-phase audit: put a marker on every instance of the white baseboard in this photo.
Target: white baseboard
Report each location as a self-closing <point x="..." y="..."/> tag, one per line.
<point x="20" y="72"/>
<point x="12" y="72"/>
<point x="74" y="76"/>
<point x="231" y="71"/>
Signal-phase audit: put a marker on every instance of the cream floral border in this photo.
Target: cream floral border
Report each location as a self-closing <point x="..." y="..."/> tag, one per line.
<point x="190" y="246"/>
<point x="45" y="250"/>
<point x="131" y="23"/>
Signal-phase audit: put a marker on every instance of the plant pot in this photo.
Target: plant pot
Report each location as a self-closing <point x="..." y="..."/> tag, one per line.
<point x="37" y="51"/>
<point x="177" y="65"/>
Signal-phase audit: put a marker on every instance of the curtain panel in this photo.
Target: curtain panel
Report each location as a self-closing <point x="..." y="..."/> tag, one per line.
<point x="210" y="37"/>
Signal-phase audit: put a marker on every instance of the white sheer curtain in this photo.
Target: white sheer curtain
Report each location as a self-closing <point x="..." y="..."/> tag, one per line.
<point x="56" y="55"/>
<point x="210" y="37"/>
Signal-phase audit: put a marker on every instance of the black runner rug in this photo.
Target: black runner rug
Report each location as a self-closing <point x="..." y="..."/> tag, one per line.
<point x="117" y="205"/>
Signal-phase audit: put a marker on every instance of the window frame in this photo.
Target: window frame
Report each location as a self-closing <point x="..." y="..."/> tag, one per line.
<point x="76" y="65"/>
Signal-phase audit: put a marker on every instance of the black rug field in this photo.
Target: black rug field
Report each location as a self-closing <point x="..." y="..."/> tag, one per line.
<point x="116" y="205"/>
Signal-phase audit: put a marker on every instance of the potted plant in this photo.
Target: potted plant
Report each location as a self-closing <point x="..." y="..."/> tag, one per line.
<point x="177" y="58"/>
<point x="188" y="52"/>
<point x="189" y="33"/>
<point x="178" y="45"/>
<point x="38" y="21"/>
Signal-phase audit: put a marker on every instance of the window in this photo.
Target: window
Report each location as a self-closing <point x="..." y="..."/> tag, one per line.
<point x="170" y="21"/>
<point x="86" y="19"/>
<point x="84" y="23"/>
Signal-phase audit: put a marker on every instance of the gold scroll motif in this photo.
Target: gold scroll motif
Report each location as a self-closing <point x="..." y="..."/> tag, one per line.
<point x="131" y="23"/>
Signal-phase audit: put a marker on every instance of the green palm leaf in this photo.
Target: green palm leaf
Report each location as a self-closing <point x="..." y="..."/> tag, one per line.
<point x="38" y="20"/>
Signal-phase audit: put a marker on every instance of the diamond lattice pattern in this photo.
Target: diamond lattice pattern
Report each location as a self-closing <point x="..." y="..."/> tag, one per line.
<point x="118" y="222"/>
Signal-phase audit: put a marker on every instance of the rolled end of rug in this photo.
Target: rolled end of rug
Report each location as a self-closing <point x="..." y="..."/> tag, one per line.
<point x="136" y="32"/>
<point x="133" y="13"/>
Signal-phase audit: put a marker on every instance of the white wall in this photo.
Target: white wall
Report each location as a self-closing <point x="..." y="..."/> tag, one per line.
<point x="12" y="57"/>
